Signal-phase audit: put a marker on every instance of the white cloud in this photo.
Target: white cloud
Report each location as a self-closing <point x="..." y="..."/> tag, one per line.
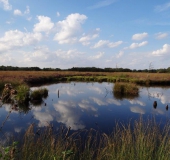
<point x="58" y="14"/>
<point x="102" y="3"/>
<point x="96" y="89"/>
<point x="86" y="106"/>
<point x="165" y="99"/>
<point x="40" y="54"/>
<point x="139" y="36"/>
<point x="44" y="118"/>
<point x="98" y="101"/>
<point x="137" y="109"/>
<point x="68" y="54"/>
<point x="27" y="11"/>
<point x="18" y="129"/>
<point x="85" y="40"/>
<point x="17" y="12"/>
<point x="137" y="102"/>
<point x="162" y="7"/>
<point x="69" y="28"/>
<point x="164" y="50"/>
<point x="44" y="25"/>
<point x="105" y="43"/>
<point x="136" y="45"/>
<point x="29" y="18"/>
<point x="161" y="35"/>
<point x="6" y="5"/>
<point x="15" y="38"/>
<point x="98" y="56"/>
<point x="66" y="115"/>
<point x="113" y="101"/>
<point x="120" y="54"/>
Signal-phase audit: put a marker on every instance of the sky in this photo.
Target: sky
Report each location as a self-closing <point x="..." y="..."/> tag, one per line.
<point x="88" y="33"/>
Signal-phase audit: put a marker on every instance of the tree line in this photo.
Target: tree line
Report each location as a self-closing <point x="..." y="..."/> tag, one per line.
<point x="85" y="69"/>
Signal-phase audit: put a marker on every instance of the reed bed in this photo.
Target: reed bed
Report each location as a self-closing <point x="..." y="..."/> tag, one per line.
<point x="141" y="140"/>
<point x="20" y="77"/>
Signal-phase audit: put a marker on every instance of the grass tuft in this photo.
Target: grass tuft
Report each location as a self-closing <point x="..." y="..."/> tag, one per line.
<point x="125" y="88"/>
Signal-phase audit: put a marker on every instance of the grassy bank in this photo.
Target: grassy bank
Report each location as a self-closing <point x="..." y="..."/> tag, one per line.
<point x="40" y="77"/>
<point x="146" y="141"/>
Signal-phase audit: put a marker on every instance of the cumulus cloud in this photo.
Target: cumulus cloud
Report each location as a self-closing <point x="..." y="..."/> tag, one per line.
<point x="6" y="4"/>
<point x="161" y="35"/>
<point x="15" y="38"/>
<point x="40" y="54"/>
<point x="106" y="43"/>
<point x="44" y="118"/>
<point x="17" y="12"/>
<point x="139" y="36"/>
<point x="69" y="28"/>
<point x="164" y="50"/>
<point x="85" y="40"/>
<point x="162" y="7"/>
<point x="44" y="25"/>
<point x="136" y="45"/>
<point x="66" y="114"/>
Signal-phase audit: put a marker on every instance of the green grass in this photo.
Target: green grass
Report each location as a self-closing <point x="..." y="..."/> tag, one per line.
<point x="22" y="94"/>
<point x="141" y="140"/>
<point x="38" y="94"/>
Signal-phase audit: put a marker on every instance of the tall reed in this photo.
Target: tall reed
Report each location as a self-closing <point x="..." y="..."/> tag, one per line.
<point x="140" y="140"/>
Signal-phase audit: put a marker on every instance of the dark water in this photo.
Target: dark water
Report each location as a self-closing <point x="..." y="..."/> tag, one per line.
<point x="84" y="106"/>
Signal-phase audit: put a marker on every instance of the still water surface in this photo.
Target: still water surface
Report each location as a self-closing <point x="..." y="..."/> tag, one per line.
<point x="84" y="106"/>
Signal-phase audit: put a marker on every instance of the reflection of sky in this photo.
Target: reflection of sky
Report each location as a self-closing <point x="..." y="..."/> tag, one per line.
<point x="83" y="105"/>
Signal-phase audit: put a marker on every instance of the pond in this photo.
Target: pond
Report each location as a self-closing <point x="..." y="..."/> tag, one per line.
<point x="84" y="106"/>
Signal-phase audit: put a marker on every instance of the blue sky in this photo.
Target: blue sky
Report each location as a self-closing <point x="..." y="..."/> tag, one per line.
<point x="90" y="33"/>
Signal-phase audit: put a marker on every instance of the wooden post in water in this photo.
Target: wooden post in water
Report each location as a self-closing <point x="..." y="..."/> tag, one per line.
<point x="58" y="94"/>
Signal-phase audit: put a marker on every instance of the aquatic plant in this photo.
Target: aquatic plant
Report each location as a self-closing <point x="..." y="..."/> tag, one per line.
<point x="142" y="139"/>
<point x="38" y="94"/>
<point x="22" y="95"/>
<point x="125" y="88"/>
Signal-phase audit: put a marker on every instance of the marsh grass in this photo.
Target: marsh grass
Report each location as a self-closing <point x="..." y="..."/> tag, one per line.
<point x="38" y="94"/>
<point x="37" y="77"/>
<point x="22" y="94"/>
<point x="138" y="140"/>
<point x="122" y="88"/>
